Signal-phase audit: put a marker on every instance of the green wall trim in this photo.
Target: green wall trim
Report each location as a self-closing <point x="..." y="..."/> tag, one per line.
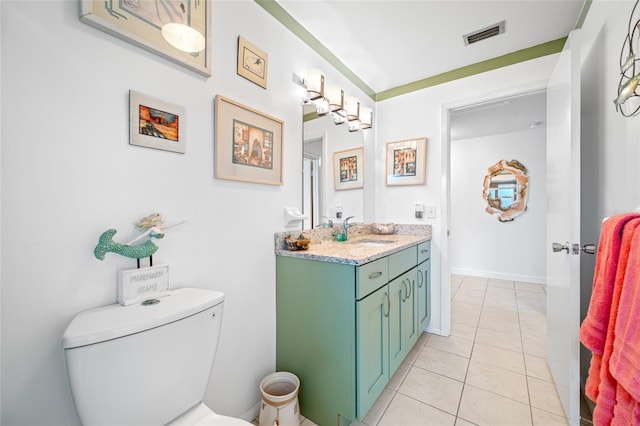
<point x="544" y="49"/>
<point x="527" y="54"/>
<point x="583" y="13"/>
<point x="294" y="26"/>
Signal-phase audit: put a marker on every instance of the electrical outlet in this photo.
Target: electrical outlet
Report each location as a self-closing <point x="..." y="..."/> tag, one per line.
<point x="419" y="210"/>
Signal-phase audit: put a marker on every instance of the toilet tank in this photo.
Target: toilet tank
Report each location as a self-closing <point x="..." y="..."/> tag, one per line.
<point x="143" y="364"/>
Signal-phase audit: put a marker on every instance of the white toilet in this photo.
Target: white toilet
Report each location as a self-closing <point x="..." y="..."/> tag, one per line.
<point x="146" y="364"/>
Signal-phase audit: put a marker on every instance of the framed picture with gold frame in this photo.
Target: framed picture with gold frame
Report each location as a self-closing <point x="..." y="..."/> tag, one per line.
<point x="406" y="162"/>
<point x="141" y="22"/>
<point x="348" y="169"/>
<point x="252" y="62"/>
<point x="249" y="144"/>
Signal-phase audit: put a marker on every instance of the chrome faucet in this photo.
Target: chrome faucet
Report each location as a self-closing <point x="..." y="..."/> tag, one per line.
<point x="345" y="227"/>
<point x="329" y="223"/>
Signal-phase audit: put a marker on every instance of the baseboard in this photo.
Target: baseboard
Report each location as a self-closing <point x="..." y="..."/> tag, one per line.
<point x="499" y="275"/>
<point x="251" y="414"/>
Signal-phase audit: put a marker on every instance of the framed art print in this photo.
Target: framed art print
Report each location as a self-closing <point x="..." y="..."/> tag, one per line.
<point x="348" y="168"/>
<point x="406" y="162"/>
<point x="249" y="144"/>
<point x="252" y="62"/>
<point x="140" y="22"/>
<point x="154" y="123"/>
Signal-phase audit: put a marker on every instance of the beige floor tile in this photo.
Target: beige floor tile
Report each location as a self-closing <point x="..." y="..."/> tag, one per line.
<point x="474" y="297"/>
<point x="533" y="330"/>
<point x="544" y="396"/>
<point x="378" y="408"/>
<point x="501" y="292"/>
<point x="503" y="339"/>
<point x="499" y="381"/>
<point x="456" y="278"/>
<point x="534" y="345"/>
<point x="398" y="376"/>
<point x="465" y="313"/>
<point x="444" y="363"/>
<point x="537" y="367"/>
<point x="465" y="331"/>
<point x="482" y="407"/>
<point x="534" y="288"/>
<point x="452" y="344"/>
<point x="489" y="323"/>
<point x="510" y="305"/>
<point x="463" y="422"/>
<point x="433" y="389"/>
<point x="499" y="315"/>
<point x="544" y="418"/>
<point x="500" y="357"/>
<point x="495" y="282"/>
<point x="404" y="410"/>
<point x="474" y="281"/>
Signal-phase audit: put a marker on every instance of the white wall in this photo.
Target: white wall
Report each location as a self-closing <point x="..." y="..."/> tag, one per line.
<point x="68" y="174"/>
<point x="480" y="244"/>
<point x="610" y="148"/>
<point x="425" y="113"/>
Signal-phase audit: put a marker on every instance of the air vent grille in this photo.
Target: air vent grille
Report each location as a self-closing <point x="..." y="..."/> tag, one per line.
<point x="484" y="33"/>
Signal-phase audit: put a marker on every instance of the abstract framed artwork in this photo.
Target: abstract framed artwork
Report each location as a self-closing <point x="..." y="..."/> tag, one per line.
<point x="406" y="162"/>
<point x="154" y="123"/>
<point x="249" y="143"/>
<point x="140" y="22"/>
<point x="348" y="169"/>
<point x="252" y="62"/>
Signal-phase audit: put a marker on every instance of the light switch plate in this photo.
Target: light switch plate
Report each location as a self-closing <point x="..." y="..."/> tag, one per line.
<point x="431" y="212"/>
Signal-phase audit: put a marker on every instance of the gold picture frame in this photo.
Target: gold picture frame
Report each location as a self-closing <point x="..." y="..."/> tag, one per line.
<point x="154" y="123"/>
<point x="406" y="162"/>
<point x="252" y="62"/>
<point x="348" y="169"/>
<point x="140" y="23"/>
<point x="249" y="144"/>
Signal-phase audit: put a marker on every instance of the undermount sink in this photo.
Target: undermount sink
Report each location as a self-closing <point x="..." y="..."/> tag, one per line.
<point x="372" y="243"/>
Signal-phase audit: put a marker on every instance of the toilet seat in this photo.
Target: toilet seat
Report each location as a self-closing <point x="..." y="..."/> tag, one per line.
<point x="201" y="415"/>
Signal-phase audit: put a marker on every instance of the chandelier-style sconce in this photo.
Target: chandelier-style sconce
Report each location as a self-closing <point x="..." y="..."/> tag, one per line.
<point x="629" y="73"/>
<point x="333" y="101"/>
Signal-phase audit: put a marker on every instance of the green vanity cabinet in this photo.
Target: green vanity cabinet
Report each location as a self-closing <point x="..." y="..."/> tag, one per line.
<point x="344" y="328"/>
<point x="423" y="285"/>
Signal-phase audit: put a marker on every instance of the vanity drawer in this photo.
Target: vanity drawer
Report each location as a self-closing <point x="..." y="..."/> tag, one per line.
<point x="424" y="251"/>
<point x="371" y="276"/>
<point x="402" y="261"/>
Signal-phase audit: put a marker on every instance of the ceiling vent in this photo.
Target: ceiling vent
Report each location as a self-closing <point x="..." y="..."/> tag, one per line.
<point x="484" y="33"/>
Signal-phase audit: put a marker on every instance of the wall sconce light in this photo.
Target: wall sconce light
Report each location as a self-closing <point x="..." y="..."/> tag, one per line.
<point x="352" y="106"/>
<point x="366" y="118"/>
<point x="315" y="84"/>
<point x="629" y="75"/>
<point x="183" y="37"/>
<point x="333" y="101"/>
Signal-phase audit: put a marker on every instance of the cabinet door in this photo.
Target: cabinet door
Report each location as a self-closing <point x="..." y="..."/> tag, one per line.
<point x="423" y="294"/>
<point x="372" y="347"/>
<point x="402" y="319"/>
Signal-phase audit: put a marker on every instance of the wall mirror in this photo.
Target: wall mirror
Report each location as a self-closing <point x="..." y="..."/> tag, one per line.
<point x="322" y="202"/>
<point x="506" y="189"/>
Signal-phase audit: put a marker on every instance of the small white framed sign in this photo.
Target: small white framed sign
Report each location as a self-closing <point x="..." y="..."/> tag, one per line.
<point x="138" y="285"/>
<point x="154" y="123"/>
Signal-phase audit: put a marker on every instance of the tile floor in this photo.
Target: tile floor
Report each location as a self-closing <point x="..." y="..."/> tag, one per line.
<point x="491" y="370"/>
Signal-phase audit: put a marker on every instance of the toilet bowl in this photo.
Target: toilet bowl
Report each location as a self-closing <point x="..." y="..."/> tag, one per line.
<point x="122" y="361"/>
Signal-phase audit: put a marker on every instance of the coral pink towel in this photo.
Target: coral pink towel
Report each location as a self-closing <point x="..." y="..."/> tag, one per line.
<point x="625" y="359"/>
<point x="593" y="332"/>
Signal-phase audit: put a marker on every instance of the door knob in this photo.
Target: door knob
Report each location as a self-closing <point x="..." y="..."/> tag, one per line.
<point x="559" y="247"/>
<point x="589" y="248"/>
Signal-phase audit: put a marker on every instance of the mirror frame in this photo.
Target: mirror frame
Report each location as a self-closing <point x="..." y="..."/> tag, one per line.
<point x="520" y="205"/>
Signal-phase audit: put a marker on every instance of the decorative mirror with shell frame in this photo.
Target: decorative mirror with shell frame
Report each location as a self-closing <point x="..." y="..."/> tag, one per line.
<point x="506" y="188"/>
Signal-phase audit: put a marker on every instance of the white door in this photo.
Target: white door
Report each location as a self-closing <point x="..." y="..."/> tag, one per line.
<point x="563" y="226"/>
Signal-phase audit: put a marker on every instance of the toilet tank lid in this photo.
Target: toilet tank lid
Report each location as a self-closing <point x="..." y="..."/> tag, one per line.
<point x="114" y="321"/>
